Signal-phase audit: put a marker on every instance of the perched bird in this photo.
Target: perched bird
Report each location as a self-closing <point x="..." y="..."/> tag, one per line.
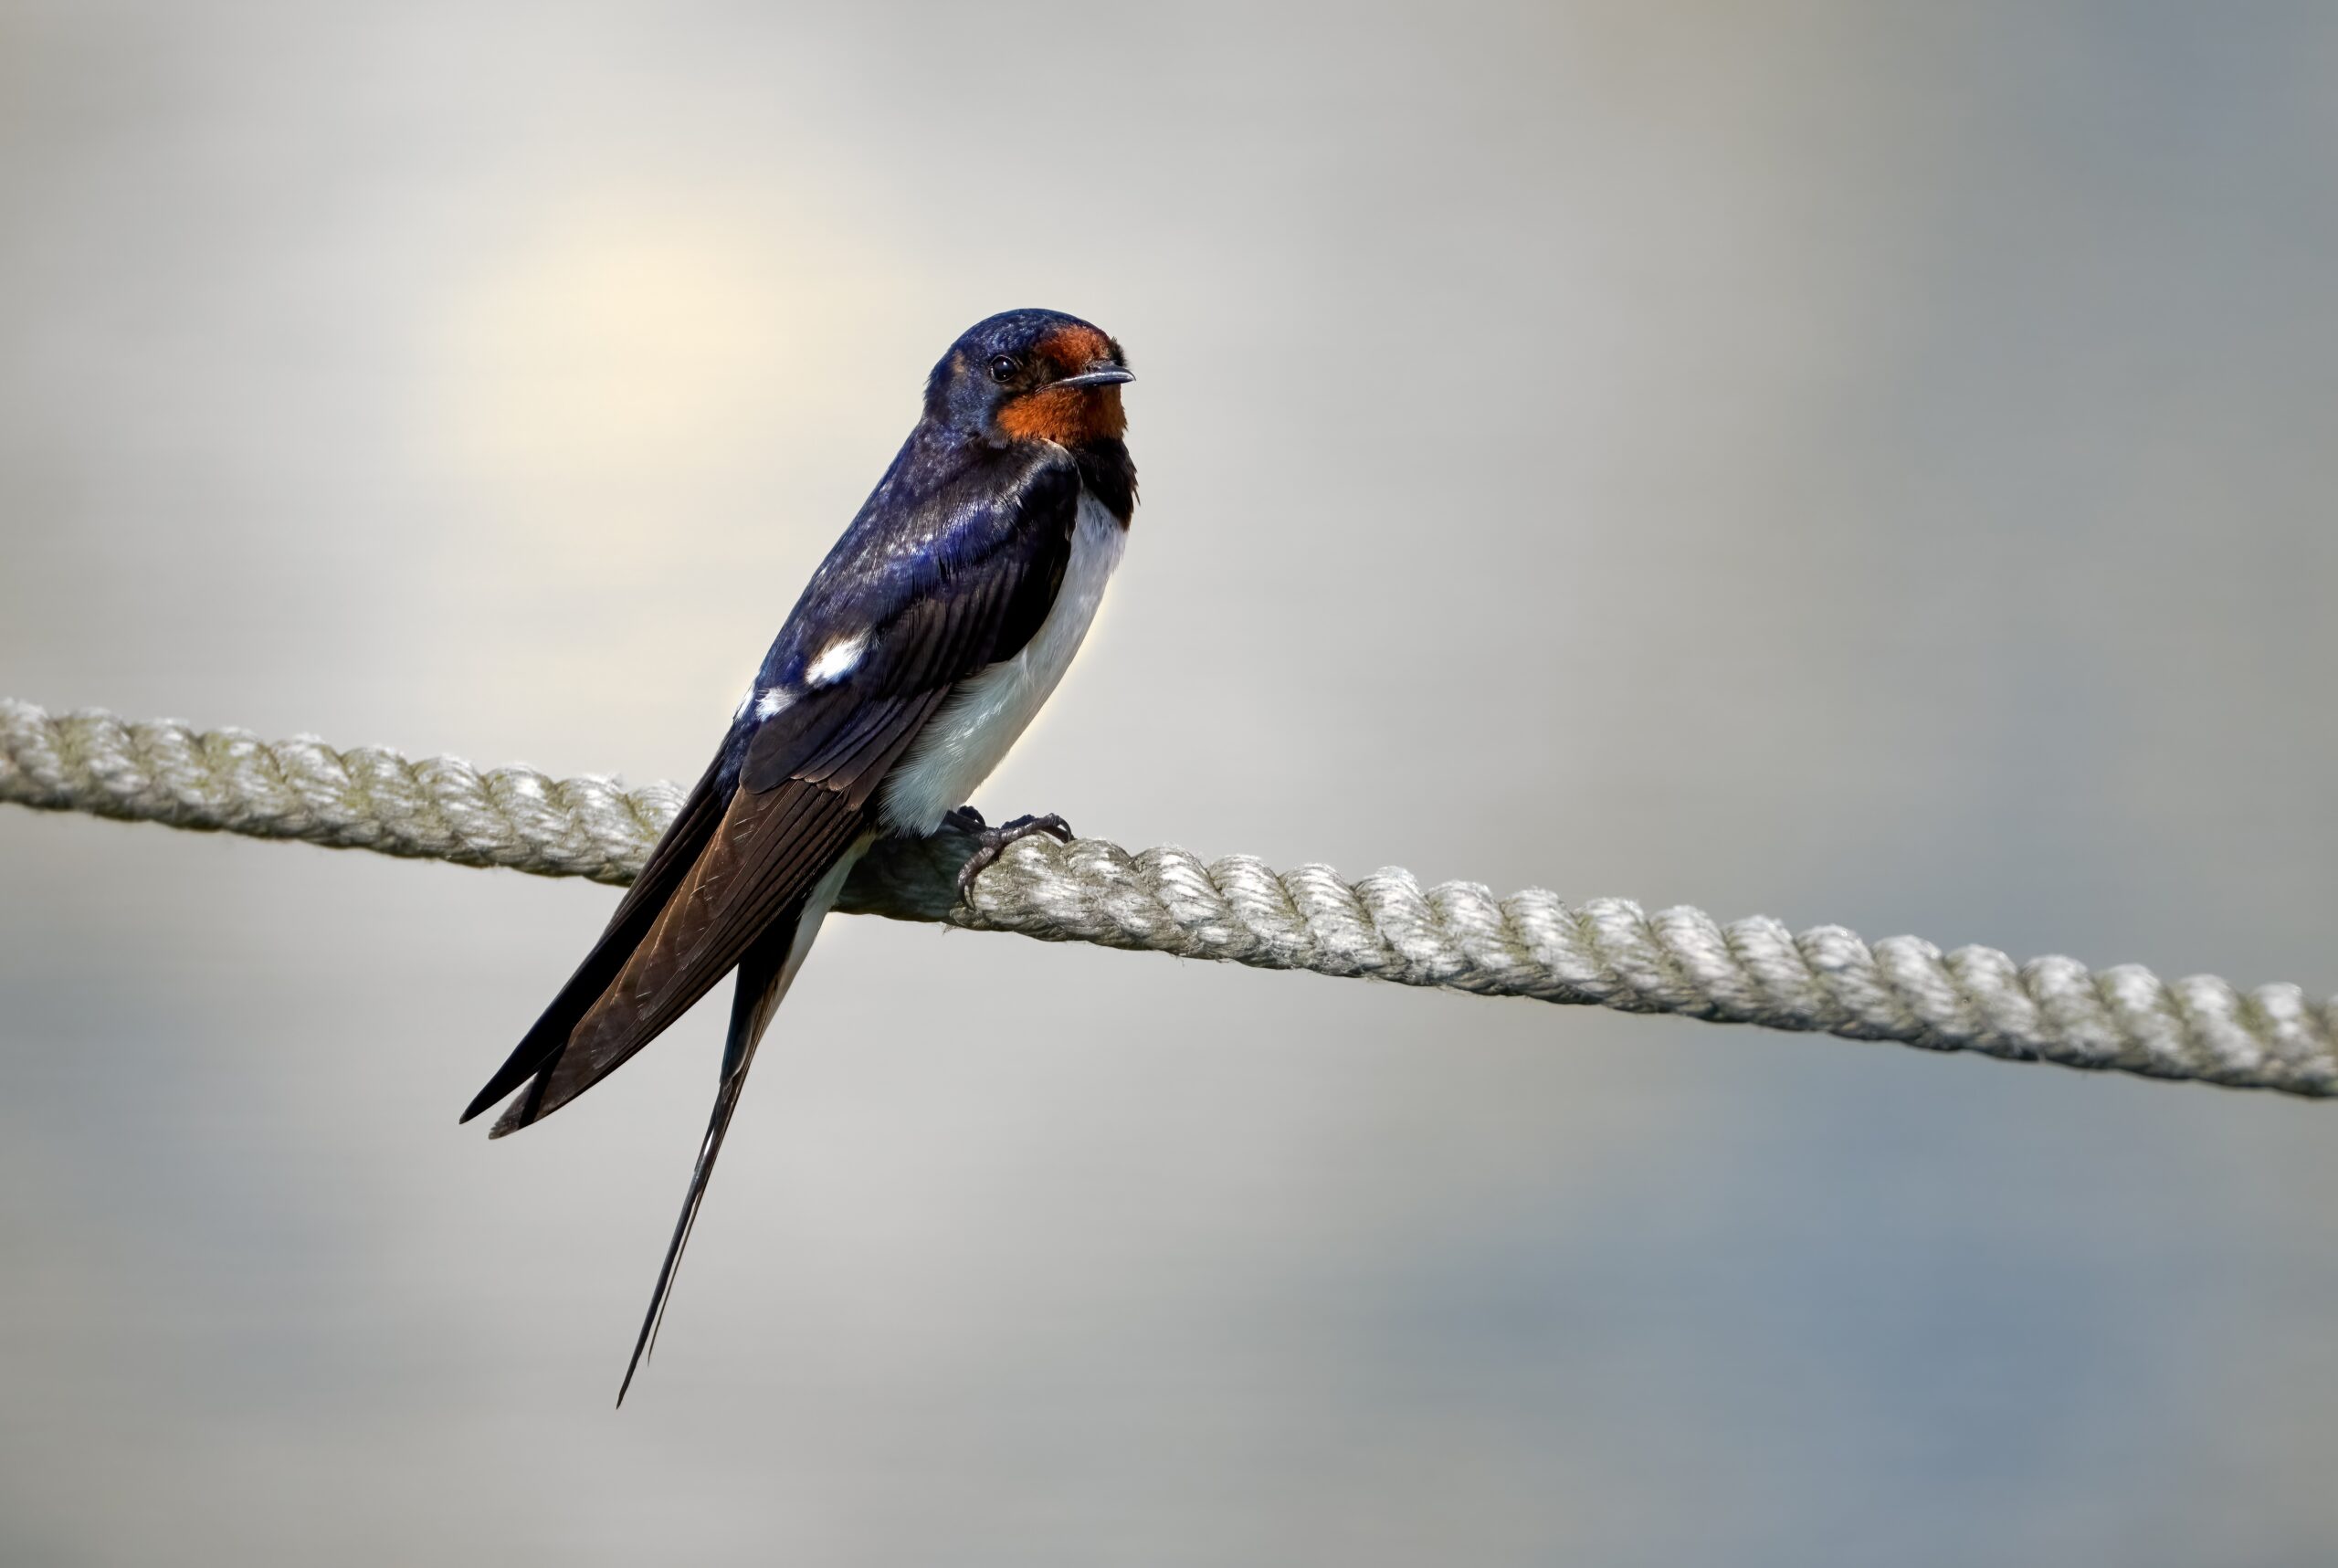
<point x="923" y="647"/>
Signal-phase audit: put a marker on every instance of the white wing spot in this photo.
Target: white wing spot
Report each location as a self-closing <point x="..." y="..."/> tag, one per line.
<point x="836" y="660"/>
<point x="771" y="702"/>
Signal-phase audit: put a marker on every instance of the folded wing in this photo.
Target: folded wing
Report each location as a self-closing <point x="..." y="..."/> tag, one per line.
<point x="794" y="788"/>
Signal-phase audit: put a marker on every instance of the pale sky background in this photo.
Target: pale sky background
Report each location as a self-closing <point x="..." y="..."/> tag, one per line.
<point x="1869" y="463"/>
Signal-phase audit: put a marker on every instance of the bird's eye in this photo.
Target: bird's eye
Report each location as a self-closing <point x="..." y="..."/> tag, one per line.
<point x="1004" y="366"/>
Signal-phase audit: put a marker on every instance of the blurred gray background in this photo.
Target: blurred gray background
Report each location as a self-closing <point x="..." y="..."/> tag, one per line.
<point x="1852" y="462"/>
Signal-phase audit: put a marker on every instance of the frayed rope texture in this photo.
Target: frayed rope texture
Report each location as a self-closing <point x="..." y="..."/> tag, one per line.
<point x="1237" y="910"/>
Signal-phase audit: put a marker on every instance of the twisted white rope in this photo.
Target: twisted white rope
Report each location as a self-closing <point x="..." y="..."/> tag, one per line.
<point x="1240" y="910"/>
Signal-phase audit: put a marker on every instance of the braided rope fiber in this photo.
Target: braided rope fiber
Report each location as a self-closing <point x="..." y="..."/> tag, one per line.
<point x="1237" y="910"/>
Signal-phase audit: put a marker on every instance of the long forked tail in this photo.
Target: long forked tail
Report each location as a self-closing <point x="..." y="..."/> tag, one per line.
<point x="765" y="974"/>
<point x="726" y="1100"/>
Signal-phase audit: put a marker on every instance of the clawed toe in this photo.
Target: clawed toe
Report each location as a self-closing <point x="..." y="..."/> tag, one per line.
<point x="990" y="842"/>
<point x="1054" y="827"/>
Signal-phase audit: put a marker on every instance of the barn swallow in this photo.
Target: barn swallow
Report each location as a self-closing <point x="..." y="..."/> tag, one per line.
<point x="923" y="647"/>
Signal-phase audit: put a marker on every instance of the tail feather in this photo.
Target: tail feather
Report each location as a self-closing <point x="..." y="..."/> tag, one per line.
<point x="764" y="978"/>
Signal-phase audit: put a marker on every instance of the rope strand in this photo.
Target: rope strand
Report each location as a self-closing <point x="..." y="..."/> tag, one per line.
<point x="1607" y="952"/>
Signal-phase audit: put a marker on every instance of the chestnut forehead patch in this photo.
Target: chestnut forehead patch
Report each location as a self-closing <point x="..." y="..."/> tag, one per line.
<point x="1073" y="349"/>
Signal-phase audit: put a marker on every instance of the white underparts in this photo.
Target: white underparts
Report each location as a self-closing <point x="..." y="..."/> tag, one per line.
<point x="983" y="719"/>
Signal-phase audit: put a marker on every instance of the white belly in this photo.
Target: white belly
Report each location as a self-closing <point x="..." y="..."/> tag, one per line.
<point x="983" y="718"/>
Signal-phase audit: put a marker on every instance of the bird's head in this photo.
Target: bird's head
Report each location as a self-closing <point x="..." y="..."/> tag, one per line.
<point x="1031" y="375"/>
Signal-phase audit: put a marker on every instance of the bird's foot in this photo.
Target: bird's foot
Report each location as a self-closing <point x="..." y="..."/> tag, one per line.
<point x="991" y="841"/>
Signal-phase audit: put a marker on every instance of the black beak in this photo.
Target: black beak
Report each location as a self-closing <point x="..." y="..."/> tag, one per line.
<point x="1106" y="375"/>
